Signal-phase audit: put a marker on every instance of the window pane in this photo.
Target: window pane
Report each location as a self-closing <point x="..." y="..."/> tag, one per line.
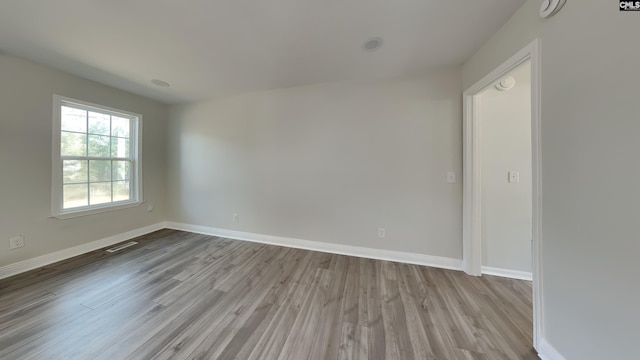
<point x="99" y="123"/>
<point x="72" y="144"/>
<point x="98" y="150"/>
<point x="73" y="119"/>
<point x="75" y="195"/>
<point x="74" y="171"/>
<point x="121" y="170"/>
<point x="121" y="191"/>
<point x="120" y="147"/>
<point x="119" y="127"/>
<point x="99" y="193"/>
<point x="99" y="170"/>
<point x="99" y="146"/>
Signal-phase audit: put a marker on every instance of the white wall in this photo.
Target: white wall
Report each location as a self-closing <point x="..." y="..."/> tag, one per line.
<point x="590" y="171"/>
<point x="329" y="162"/>
<point x="26" y="102"/>
<point x="522" y="28"/>
<point x="505" y="125"/>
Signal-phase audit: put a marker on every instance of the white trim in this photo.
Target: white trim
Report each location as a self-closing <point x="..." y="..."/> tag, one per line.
<point x="472" y="249"/>
<point x="512" y="274"/>
<point x="472" y="224"/>
<point x="98" y="210"/>
<point x="378" y="254"/>
<point x="40" y="261"/>
<point x="536" y="197"/>
<point x="548" y="352"/>
<point x="135" y="138"/>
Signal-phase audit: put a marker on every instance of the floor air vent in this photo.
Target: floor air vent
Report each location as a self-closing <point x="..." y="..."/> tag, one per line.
<point x="123" y="246"/>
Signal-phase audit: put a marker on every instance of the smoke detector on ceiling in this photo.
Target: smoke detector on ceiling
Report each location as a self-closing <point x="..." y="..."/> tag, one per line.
<point x="372" y="44"/>
<point x="551" y="7"/>
<point x="506" y="84"/>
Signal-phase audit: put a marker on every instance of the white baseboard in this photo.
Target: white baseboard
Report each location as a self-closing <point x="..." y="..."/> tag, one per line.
<point x="513" y="274"/>
<point x="548" y="352"/>
<point x="379" y="254"/>
<point x="40" y="261"/>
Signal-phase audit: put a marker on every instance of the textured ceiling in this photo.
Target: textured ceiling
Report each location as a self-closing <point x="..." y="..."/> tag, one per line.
<point x="211" y="48"/>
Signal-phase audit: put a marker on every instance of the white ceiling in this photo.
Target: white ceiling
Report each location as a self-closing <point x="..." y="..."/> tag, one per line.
<point x="210" y="48"/>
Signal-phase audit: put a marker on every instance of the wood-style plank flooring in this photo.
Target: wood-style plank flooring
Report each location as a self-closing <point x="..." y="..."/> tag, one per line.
<point x="179" y="295"/>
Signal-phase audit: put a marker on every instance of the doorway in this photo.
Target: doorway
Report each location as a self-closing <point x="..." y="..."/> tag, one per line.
<point x="473" y="170"/>
<point x="504" y="120"/>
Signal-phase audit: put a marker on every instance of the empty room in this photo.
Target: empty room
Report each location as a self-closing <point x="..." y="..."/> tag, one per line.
<point x="319" y="179"/>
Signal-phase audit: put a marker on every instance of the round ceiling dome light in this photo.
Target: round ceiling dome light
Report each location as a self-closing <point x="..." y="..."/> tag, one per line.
<point x="160" y="83"/>
<point x="551" y="7"/>
<point x="372" y="44"/>
<point x="506" y="84"/>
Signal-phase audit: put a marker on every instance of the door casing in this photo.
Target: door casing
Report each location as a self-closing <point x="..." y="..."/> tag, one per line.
<point x="472" y="170"/>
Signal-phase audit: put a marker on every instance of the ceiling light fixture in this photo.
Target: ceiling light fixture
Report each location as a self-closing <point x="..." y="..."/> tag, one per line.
<point x="551" y="7"/>
<point x="506" y="84"/>
<point x="160" y="83"/>
<point x="372" y="44"/>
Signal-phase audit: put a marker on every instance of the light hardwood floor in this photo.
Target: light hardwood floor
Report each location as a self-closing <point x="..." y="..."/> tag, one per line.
<point x="186" y="296"/>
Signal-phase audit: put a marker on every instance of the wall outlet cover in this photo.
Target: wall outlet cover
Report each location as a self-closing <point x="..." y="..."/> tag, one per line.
<point x="514" y="177"/>
<point x="451" y="177"/>
<point x="16" y="242"/>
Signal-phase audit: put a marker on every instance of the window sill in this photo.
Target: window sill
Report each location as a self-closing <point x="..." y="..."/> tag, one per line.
<point x="96" y="210"/>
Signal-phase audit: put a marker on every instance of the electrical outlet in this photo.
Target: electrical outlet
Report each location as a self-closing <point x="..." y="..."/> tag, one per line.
<point x="382" y="233"/>
<point x="150" y="207"/>
<point x="236" y="217"/>
<point x="451" y="177"/>
<point x="16" y="242"/>
<point x="514" y="177"/>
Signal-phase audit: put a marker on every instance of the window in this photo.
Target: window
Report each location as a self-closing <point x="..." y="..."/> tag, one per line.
<point x="96" y="162"/>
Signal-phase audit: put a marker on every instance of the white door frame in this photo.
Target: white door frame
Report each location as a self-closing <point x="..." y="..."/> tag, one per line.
<point x="472" y="211"/>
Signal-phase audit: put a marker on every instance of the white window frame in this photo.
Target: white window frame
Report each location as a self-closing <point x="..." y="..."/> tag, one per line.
<point x="135" y="135"/>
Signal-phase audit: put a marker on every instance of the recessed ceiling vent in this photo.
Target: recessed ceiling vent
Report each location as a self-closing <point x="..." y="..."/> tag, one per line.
<point x="372" y="44"/>
<point x="506" y="84"/>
